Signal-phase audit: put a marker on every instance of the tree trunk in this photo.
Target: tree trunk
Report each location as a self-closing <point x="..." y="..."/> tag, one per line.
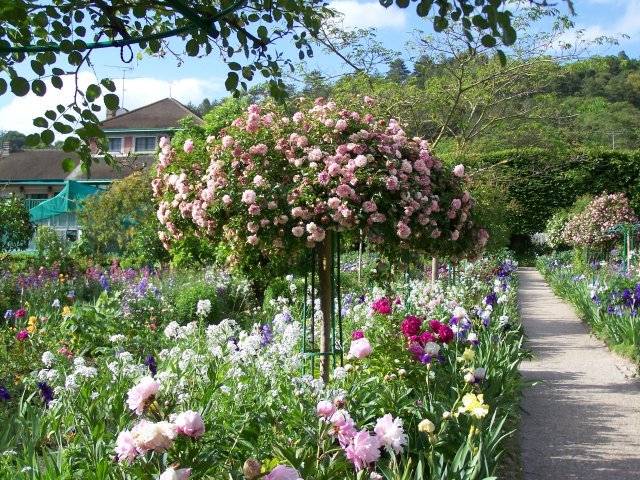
<point x="434" y="269"/>
<point x="325" y="265"/>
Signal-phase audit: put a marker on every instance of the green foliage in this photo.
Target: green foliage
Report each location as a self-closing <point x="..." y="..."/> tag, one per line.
<point x="185" y="299"/>
<point x="50" y="248"/>
<point x="540" y="182"/>
<point x="16" y="228"/>
<point x="123" y="219"/>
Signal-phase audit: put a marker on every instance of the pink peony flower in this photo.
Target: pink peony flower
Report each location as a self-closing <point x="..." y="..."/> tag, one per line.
<point x="156" y="437"/>
<point x="190" y="424"/>
<point x="341" y="125"/>
<point x="125" y="449"/>
<point x="391" y="434"/>
<point x="282" y="472"/>
<point x="458" y="170"/>
<point x="140" y="394"/>
<point x="188" y="146"/>
<point x="411" y="326"/>
<point x="22" y="335"/>
<point x="342" y="426"/>
<point x="360" y="349"/>
<point x="325" y="408"/>
<point x="172" y="474"/>
<point x="357" y="334"/>
<point x="363" y="449"/>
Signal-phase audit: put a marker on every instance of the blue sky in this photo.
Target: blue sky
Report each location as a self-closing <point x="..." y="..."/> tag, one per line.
<point x="152" y="79"/>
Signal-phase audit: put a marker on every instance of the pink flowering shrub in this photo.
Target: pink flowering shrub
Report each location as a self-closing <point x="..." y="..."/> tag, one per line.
<point x="589" y="228"/>
<point x="273" y="184"/>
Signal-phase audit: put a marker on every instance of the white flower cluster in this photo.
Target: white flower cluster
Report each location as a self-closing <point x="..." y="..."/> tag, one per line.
<point x="203" y="309"/>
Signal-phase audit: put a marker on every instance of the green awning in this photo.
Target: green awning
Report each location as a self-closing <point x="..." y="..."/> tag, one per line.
<point x="68" y="200"/>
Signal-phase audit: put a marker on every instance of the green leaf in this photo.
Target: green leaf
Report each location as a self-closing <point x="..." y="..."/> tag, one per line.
<point x="74" y="58"/>
<point x="502" y="57"/>
<point x="19" y="86"/>
<point x="234" y="66"/>
<point x="68" y="165"/>
<point x="232" y="81"/>
<point x="402" y="3"/>
<point x="424" y="7"/>
<point x="488" y="41"/>
<point x="108" y="84"/>
<point x="192" y="47"/>
<point x="111" y="101"/>
<point x="56" y="81"/>
<point x="3" y="86"/>
<point x="93" y="92"/>
<point x="440" y="23"/>
<point x="47" y="137"/>
<point x="62" y="128"/>
<point x="37" y="67"/>
<point x="509" y="35"/>
<point x="71" y="144"/>
<point x="38" y="87"/>
<point x="33" y="139"/>
<point x="40" y="122"/>
<point x="51" y="115"/>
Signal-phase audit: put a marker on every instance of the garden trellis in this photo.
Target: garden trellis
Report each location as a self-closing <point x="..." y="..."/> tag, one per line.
<point x="629" y="234"/>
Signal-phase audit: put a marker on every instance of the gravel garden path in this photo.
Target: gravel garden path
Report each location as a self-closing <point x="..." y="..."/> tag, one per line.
<point x="582" y="420"/>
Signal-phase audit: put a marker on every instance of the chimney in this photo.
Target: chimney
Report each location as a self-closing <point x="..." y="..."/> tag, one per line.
<point x="110" y="114"/>
<point x="6" y="149"/>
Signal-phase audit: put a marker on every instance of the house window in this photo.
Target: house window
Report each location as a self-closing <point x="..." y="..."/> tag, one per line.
<point x="115" y="145"/>
<point x="145" y="144"/>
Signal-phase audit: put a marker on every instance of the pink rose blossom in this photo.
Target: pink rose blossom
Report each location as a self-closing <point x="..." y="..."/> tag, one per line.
<point x="458" y="170"/>
<point x="226" y="200"/>
<point x="363" y="450"/>
<point x="369" y="206"/>
<point x="228" y="141"/>
<point x="140" y="394"/>
<point x="341" y="125"/>
<point x="297" y="231"/>
<point x="249" y="196"/>
<point x="253" y="240"/>
<point x="403" y="230"/>
<point x="392" y="183"/>
<point x="360" y="349"/>
<point x="456" y="203"/>
<point x="315" y="155"/>
<point x="455" y="235"/>
<point x="190" y="424"/>
<point x="188" y="146"/>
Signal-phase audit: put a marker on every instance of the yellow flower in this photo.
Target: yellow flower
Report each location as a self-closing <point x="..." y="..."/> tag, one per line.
<point x="468" y="355"/>
<point x="31" y="329"/>
<point x="26" y="305"/>
<point x="474" y="405"/>
<point x="66" y="311"/>
<point x="33" y="320"/>
<point x="427" y="426"/>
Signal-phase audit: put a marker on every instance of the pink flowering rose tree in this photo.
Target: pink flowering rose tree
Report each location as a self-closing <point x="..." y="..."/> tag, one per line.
<point x="271" y="185"/>
<point x="593" y="226"/>
<point x="275" y="184"/>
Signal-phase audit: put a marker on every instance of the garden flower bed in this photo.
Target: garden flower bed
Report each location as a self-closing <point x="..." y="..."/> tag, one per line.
<point x="114" y="388"/>
<point x="604" y="295"/>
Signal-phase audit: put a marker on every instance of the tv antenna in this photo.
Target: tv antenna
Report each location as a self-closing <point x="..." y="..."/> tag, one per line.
<point x="613" y="134"/>
<point x="124" y="74"/>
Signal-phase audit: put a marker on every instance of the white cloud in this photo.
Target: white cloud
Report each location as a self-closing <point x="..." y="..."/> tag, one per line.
<point x="625" y="21"/>
<point x="19" y="113"/>
<point x="369" y="14"/>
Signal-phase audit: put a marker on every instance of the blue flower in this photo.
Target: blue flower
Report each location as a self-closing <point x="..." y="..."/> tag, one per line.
<point x="4" y="393"/>
<point x="46" y="392"/>
<point x="153" y="366"/>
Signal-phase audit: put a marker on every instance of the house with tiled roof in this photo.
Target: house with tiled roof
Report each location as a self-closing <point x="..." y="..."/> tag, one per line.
<point x="133" y="136"/>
